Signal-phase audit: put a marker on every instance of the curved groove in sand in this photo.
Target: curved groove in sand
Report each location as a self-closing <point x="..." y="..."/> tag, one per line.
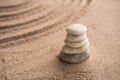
<point x="32" y="11"/>
<point x="17" y="10"/>
<point x="36" y="34"/>
<point x="11" y="5"/>
<point x="23" y="14"/>
<point x="6" y="9"/>
<point x="25" y="21"/>
<point x="45" y="19"/>
<point x="15" y="40"/>
<point x="46" y="28"/>
<point x="33" y="19"/>
<point x="36" y="23"/>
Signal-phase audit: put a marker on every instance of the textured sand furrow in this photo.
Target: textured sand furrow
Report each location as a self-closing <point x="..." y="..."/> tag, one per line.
<point x="26" y="7"/>
<point x="20" y="21"/>
<point x="33" y="28"/>
<point x="26" y="20"/>
<point x="39" y="31"/>
<point x="23" y="14"/>
<point x="9" y="3"/>
<point x="32" y="36"/>
<point x="14" y="8"/>
<point x="39" y="14"/>
<point x="42" y="19"/>
<point x="27" y="13"/>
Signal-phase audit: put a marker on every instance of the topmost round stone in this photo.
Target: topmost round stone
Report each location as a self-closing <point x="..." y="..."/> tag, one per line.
<point x="76" y="29"/>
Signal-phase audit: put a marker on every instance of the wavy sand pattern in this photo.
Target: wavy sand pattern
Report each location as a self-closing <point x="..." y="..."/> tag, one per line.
<point x="46" y="16"/>
<point x="32" y="34"/>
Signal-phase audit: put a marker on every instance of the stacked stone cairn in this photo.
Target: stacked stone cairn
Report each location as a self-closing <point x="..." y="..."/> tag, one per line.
<point x="76" y="48"/>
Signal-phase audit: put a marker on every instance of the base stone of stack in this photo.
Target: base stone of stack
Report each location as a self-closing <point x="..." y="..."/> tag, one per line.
<point x="74" y="58"/>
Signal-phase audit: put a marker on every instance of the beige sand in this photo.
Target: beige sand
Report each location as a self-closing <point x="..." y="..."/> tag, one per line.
<point x="11" y="3"/>
<point x="32" y="37"/>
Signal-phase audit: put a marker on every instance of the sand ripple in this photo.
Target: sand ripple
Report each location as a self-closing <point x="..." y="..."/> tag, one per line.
<point x="23" y="23"/>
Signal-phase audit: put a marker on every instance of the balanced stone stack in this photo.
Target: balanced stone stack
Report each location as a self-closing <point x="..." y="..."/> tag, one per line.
<point x="76" y="48"/>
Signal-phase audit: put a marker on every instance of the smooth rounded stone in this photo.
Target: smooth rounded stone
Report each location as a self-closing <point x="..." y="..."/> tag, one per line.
<point x="73" y="38"/>
<point x="75" y="58"/>
<point x="77" y="44"/>
<point x="76" y="29"/>
<point x="69" y="50"/>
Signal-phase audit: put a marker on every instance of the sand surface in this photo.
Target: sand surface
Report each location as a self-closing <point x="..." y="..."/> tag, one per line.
<point x="32" y="36"/>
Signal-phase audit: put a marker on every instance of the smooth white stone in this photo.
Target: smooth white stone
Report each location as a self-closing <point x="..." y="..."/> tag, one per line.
<point x="76" y="29"/>
<point x="73" y="38"/>
<point x="77" y="44"/>
<point x="69" y="50"/>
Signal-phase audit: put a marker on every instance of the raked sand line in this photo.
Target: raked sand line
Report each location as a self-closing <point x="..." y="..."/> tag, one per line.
<point x="26" y="10"/>
<point x="23" y="14"/>
<point x="32" y="36"/>
<point x="41" y="18"/>
<point x="24" y="20"/>
<point x="30" y="20"/>
<point x="7" y="9"/>
<point x="11" y="3"/>
<point x="29" y="12"/>
<point x="20" y="9"/>
<point x="37" y="24"/>
<point x="27" y="39"/>
<point x="33" y="19"/>
<point x="32" y="33"/>
<point x="9" y="23"/>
